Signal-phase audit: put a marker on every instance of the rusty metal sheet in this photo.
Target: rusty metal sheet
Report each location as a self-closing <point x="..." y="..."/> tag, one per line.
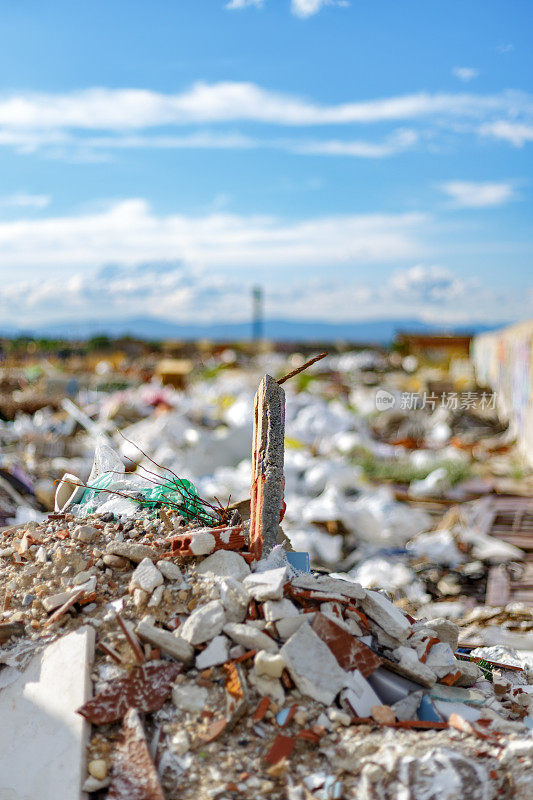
<point x="134" y="776"/>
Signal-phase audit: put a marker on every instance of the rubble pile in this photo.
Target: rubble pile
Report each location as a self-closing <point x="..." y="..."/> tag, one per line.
<point x="222" y="666"/>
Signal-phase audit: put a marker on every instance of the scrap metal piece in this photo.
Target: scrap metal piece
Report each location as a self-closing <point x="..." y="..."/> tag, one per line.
<point x="134" y="776"/>
<point x="267" y="505"/>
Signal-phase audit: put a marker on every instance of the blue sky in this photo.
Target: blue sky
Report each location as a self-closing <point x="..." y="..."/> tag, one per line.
<point x="359" y="159"/>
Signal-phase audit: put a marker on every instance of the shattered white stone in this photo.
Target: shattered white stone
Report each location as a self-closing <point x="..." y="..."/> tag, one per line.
<point x="289" y="625"/>
<point x="169" y="570"/>
<point x="216" y="652"/>
<point x="386" y="615"/>
<point x="202" y="544"/>
<point x="269" y="664"/>
<point x="312" y="666"/>
<point x="169" y="643"/>
<point x="250" y="637"/>
<point x="224" y="564"/>
<point x="235" y="599"/>
<point x="267" y="585"/>
<point x="189" y="698"/>
<point x="204" y="623"/>
<point x="279" y="609"/>
<point x="146" y="576"/>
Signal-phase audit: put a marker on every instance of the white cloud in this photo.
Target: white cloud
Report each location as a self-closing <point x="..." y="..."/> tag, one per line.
<point x="182" y="293"/>
<point x="130" y="231"/>
<point x="465" y="74"/>
<point x="504" y="48"/>
<point x="398" y="142"/>
<point x="24" y="200"/>
<point x="483" y="194"/>
<point x="137" y="109"/>
<point x="428" y="284"/>
<point x="516" y="133"/>
<point x="237" y="5"/>
<point x="307" y="8"/>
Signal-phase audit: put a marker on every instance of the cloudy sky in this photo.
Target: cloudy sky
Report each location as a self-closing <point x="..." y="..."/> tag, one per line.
<point x="358" y="159"/>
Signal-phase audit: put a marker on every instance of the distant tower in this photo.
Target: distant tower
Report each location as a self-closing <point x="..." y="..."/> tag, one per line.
<point x="257" y="321"/>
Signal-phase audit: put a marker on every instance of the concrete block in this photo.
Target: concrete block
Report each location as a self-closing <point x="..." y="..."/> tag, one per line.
<point x="42" y="738"/>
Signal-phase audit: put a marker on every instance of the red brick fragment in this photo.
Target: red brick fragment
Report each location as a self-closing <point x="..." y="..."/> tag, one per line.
<point x="145" y="688"/>
<point x="214" y="730"/>
<point x="225" y="538"/>
<point x="134" y="776"/>
<point x="349" y="651"/>
<point x="431" y="641"/>
<point x="308" y="735"/>
<point x="282" y="747"/>
<point x="261" y="709"/>
<point x="451" y="678"/>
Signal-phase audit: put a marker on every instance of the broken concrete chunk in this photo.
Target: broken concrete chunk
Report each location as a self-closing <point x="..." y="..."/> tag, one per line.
<point x="224" y="564"/>
<point x="250" y="637"/>
<point x="446" y="630"/>
<point x="157" y="596"/>
<point x="289" y="625"/>
<point x="267" y="687"/>
<point x="167" y="642"/>
<point x="169" y="570"/>
<point x="269" y="664"/>
<point x="266" y="585"/>
<point x="413" y="668"/>
<point x="42" y="739"/>
<point x="235" y="599"/>
<point x="441" y="659"/>
<point x="279" y="609"/>
<point x="313" y="666"/>
<point x="134" y="552"/>
<point x="328" y="585"/>
<point x="386" y="615"/>
<point x="189" y="698"/>
<point x="204" y="623"/>
<point x="266" y="504"/>
<point x="85" y="533"/>
<point x="146" y="576"/>
<point x="470" y="673"/>
<point x="216" y="652"/>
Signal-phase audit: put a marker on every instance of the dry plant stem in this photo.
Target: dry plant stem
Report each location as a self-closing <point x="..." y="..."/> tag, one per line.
<point x="132" y="640"/>
<point x="301" y="369"/>
<point x="111" y="653"/>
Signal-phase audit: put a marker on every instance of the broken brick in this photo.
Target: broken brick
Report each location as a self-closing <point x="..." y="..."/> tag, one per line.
<point x="281" y="748"/>
<point x="134" y="776"/>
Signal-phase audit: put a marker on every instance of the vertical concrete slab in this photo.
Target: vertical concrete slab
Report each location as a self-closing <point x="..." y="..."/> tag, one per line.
<point x="267" y="466"/>
<point x="42" y="739"/>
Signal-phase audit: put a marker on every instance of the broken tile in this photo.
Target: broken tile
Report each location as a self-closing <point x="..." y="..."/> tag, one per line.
<point x="134" y="776"/>
<point x="359" y="694"/>
<point x="349" y="652"/>
<point x="145" y="688"/>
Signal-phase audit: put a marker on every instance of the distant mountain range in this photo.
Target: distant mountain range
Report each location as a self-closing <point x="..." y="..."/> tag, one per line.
<point x="379" y="331"/>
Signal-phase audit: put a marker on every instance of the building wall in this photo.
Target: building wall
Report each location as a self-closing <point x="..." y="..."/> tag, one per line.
<point x="504" y="361"/>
